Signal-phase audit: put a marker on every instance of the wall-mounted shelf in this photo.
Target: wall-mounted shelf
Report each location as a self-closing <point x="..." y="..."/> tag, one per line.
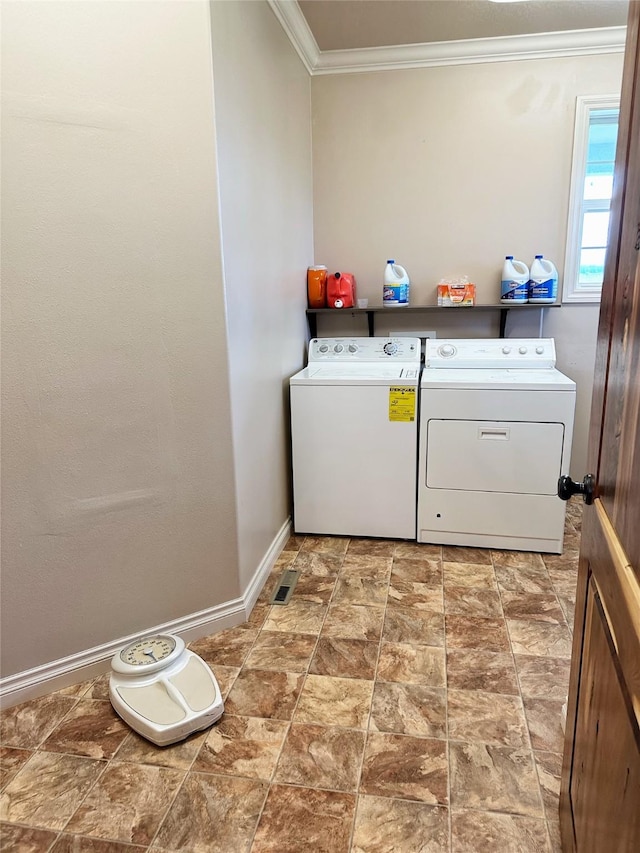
<point x="372" y="310"/>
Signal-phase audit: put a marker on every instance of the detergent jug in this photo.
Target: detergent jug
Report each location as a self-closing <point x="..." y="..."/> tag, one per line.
<point x="317" y="286"/>
<point x="341" y="290"/>
<point x="515" y="282"/>
<point x="543" y="282"/>
<point x="395" y="289"/>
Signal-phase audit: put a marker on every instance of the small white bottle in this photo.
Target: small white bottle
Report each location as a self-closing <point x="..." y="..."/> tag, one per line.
<point x="515" y="281"/>
<point x="395" y="289"/>
<point x="543" y="282"/>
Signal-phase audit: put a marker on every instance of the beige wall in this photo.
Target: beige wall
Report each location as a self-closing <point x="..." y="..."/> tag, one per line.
<point x="145" y="459"/>
<point x="447" y="170"/>
<point x="263" y="124"/>
<point x="145" y="433"/>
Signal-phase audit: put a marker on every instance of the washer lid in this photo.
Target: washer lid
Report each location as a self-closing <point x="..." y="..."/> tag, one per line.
<point x="549" y="379"/>
<point x="357" y="374"/>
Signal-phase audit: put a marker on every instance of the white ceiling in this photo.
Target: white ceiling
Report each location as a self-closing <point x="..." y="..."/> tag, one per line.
<point x="354" y="24"/>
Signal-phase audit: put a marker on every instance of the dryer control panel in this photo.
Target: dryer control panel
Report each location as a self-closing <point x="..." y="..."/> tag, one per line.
<point x="364" y="350"/>
<point x="493" y="353"/>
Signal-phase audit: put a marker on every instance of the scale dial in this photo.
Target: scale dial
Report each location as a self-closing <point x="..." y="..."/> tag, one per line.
<point x="148" y="655"/>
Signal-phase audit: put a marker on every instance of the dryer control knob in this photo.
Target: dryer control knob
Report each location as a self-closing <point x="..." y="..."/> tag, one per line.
<point x="390" y="348"/>
<point x="506" y="350"/>
<point x="446" y="350"/>
<point x="539" y="350"/>
<point x="338" y="348"/>
<point x="353" y="348"/>
<point x="323" y="348"/>
<point x="522" y="350"/>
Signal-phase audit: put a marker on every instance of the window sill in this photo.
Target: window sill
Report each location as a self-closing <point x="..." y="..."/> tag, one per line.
<point x="582" y="298"/>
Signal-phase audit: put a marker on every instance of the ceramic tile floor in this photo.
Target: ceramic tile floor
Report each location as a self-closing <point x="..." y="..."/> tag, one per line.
<point x="407" y="700"/>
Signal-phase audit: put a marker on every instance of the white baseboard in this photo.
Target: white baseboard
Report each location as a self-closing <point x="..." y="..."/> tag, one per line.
<point x="87" y="664"/>
<point x="266" y="565"/>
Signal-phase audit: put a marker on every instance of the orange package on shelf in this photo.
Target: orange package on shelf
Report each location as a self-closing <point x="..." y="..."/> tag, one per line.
<point x="453" y="294"/>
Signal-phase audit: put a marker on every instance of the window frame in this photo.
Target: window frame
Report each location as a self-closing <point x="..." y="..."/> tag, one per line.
<point x="572" y="291"/>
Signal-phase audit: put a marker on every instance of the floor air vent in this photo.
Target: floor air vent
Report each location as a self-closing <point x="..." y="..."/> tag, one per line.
<point x="286" y="585"/>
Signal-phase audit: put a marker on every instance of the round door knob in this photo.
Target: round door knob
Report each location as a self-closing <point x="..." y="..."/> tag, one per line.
<point x="338" y="348"/>
<point x="506" y="350"/>
<point x="522" y="350"/>
<point x="353" y="348"/>
<point x="567" y="488"/>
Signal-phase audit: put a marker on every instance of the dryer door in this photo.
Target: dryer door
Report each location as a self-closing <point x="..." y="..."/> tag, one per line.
<point x="494" y="456"/>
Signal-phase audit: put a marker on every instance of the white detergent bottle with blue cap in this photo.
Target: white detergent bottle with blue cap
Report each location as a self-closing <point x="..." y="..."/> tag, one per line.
<point x="543" y="282"/>
<point x="395" y="290"/>
<point x="515" y="282"/>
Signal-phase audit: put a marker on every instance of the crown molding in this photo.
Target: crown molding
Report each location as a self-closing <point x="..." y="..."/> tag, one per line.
<point x="297" y="29"/>
<point x="432" y="54"/>
<point x="470" y="51"/>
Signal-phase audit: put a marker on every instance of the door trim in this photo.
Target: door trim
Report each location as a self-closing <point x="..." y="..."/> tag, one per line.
<point x="629" y="588"/>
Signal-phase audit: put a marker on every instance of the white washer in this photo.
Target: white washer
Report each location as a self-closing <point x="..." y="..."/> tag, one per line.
<point x="354" y="433"/>
<point x="496" y="424"/>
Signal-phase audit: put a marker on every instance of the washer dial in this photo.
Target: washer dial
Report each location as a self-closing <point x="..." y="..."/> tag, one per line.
<point x="390" y="348"/>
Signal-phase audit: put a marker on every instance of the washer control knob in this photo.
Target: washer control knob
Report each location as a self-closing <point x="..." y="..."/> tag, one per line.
<point x="353" y="348"/>
<point x="338" y="348"/>
<point x="390" y="348"/>
<point x="539" y="350"/>
<point x="446" y="350"/>
<point x="522" y="350"/>
<point x="323" y="348"/>
<point x="506" y="350"/>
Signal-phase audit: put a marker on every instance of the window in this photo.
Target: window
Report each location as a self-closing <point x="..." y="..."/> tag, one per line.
<point x="594" y="153"/>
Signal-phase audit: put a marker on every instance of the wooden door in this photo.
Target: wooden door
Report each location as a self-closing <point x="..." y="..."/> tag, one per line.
<point x="600" y="795"/>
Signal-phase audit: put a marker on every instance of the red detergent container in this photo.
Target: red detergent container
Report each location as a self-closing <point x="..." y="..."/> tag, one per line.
<point x="341" y="290"/>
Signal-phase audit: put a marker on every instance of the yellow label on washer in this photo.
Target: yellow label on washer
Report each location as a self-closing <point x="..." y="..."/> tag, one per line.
<point x="402" y="404"/>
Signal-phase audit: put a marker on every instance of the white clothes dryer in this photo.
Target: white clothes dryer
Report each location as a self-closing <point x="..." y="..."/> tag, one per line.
<point x="354" y="435"/>
<point x="496" y="427"/>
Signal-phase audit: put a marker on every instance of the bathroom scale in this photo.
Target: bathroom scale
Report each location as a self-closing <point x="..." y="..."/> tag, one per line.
<point x="163" y="690"/>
